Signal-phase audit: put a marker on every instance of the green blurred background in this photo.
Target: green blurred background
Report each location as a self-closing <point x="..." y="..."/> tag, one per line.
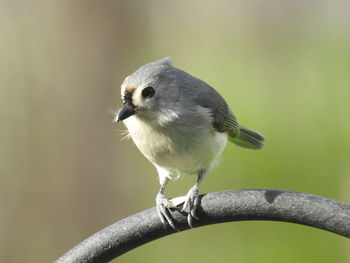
<point x="283" y="66"/>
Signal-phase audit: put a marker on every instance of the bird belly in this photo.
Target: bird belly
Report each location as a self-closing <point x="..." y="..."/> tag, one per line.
<point x="202" y="155"/>
<point x="177" y="151"/>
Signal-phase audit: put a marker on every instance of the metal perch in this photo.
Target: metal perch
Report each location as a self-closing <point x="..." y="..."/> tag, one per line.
<point x="239" y="205"/>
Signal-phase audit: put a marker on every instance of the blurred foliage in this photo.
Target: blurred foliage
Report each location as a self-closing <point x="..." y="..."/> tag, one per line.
<point x="283" y="66"/>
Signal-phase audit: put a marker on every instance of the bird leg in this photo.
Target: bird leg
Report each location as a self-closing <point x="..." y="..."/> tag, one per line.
<point x="192" y="199"/>
<point x="163" y="206"/>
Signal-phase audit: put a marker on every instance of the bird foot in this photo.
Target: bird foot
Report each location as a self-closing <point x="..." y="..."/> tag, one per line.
<point x="191" y="204"/>
<point x="163" y="205"/>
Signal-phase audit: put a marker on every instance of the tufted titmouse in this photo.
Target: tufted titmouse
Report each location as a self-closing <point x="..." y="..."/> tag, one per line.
<point x="181" y="125"/>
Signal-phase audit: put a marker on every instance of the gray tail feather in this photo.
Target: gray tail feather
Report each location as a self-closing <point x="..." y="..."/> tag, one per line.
<point x="248" y="139"/>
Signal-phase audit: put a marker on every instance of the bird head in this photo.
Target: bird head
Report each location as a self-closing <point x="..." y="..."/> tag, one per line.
<point x="143" y="91"/>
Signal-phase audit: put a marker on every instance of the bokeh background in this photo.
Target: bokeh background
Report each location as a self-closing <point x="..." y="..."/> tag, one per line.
<point x="283" y="66"/>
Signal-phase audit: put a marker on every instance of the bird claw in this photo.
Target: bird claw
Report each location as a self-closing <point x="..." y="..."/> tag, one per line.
<point x="163" y="206"/>
<point x="191" y="204"/>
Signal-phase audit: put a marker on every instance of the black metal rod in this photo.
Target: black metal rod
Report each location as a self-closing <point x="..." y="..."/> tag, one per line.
<point x="239" y="205"/>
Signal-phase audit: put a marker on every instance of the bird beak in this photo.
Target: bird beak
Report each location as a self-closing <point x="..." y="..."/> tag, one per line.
<point x="126" y="111"/>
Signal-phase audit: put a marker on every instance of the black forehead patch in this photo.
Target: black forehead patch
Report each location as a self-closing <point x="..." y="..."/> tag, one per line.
<point x="127" y="96"/>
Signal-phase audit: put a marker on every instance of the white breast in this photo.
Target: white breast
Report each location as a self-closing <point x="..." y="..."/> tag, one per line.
<point x="150" y="141"/>
<point x="177" y="149"/>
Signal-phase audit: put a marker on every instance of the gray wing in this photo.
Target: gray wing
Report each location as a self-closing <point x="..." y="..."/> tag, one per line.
<point x="223" y="118"/>
<point x="225" y="121"/>
<point x="200" y="93"/>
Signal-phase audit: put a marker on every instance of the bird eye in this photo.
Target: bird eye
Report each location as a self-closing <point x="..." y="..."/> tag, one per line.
<point x="148" y="92"/>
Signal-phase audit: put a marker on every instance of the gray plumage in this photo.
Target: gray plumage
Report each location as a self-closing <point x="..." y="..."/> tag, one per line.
<point x="181" y="125"/>
<point x="174" y="85"/>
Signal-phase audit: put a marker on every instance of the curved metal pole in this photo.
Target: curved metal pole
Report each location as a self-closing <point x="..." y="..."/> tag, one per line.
<point x="239" y="205"/>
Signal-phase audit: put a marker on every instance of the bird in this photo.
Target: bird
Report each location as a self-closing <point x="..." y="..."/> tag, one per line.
<point x="181" y="125"/>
